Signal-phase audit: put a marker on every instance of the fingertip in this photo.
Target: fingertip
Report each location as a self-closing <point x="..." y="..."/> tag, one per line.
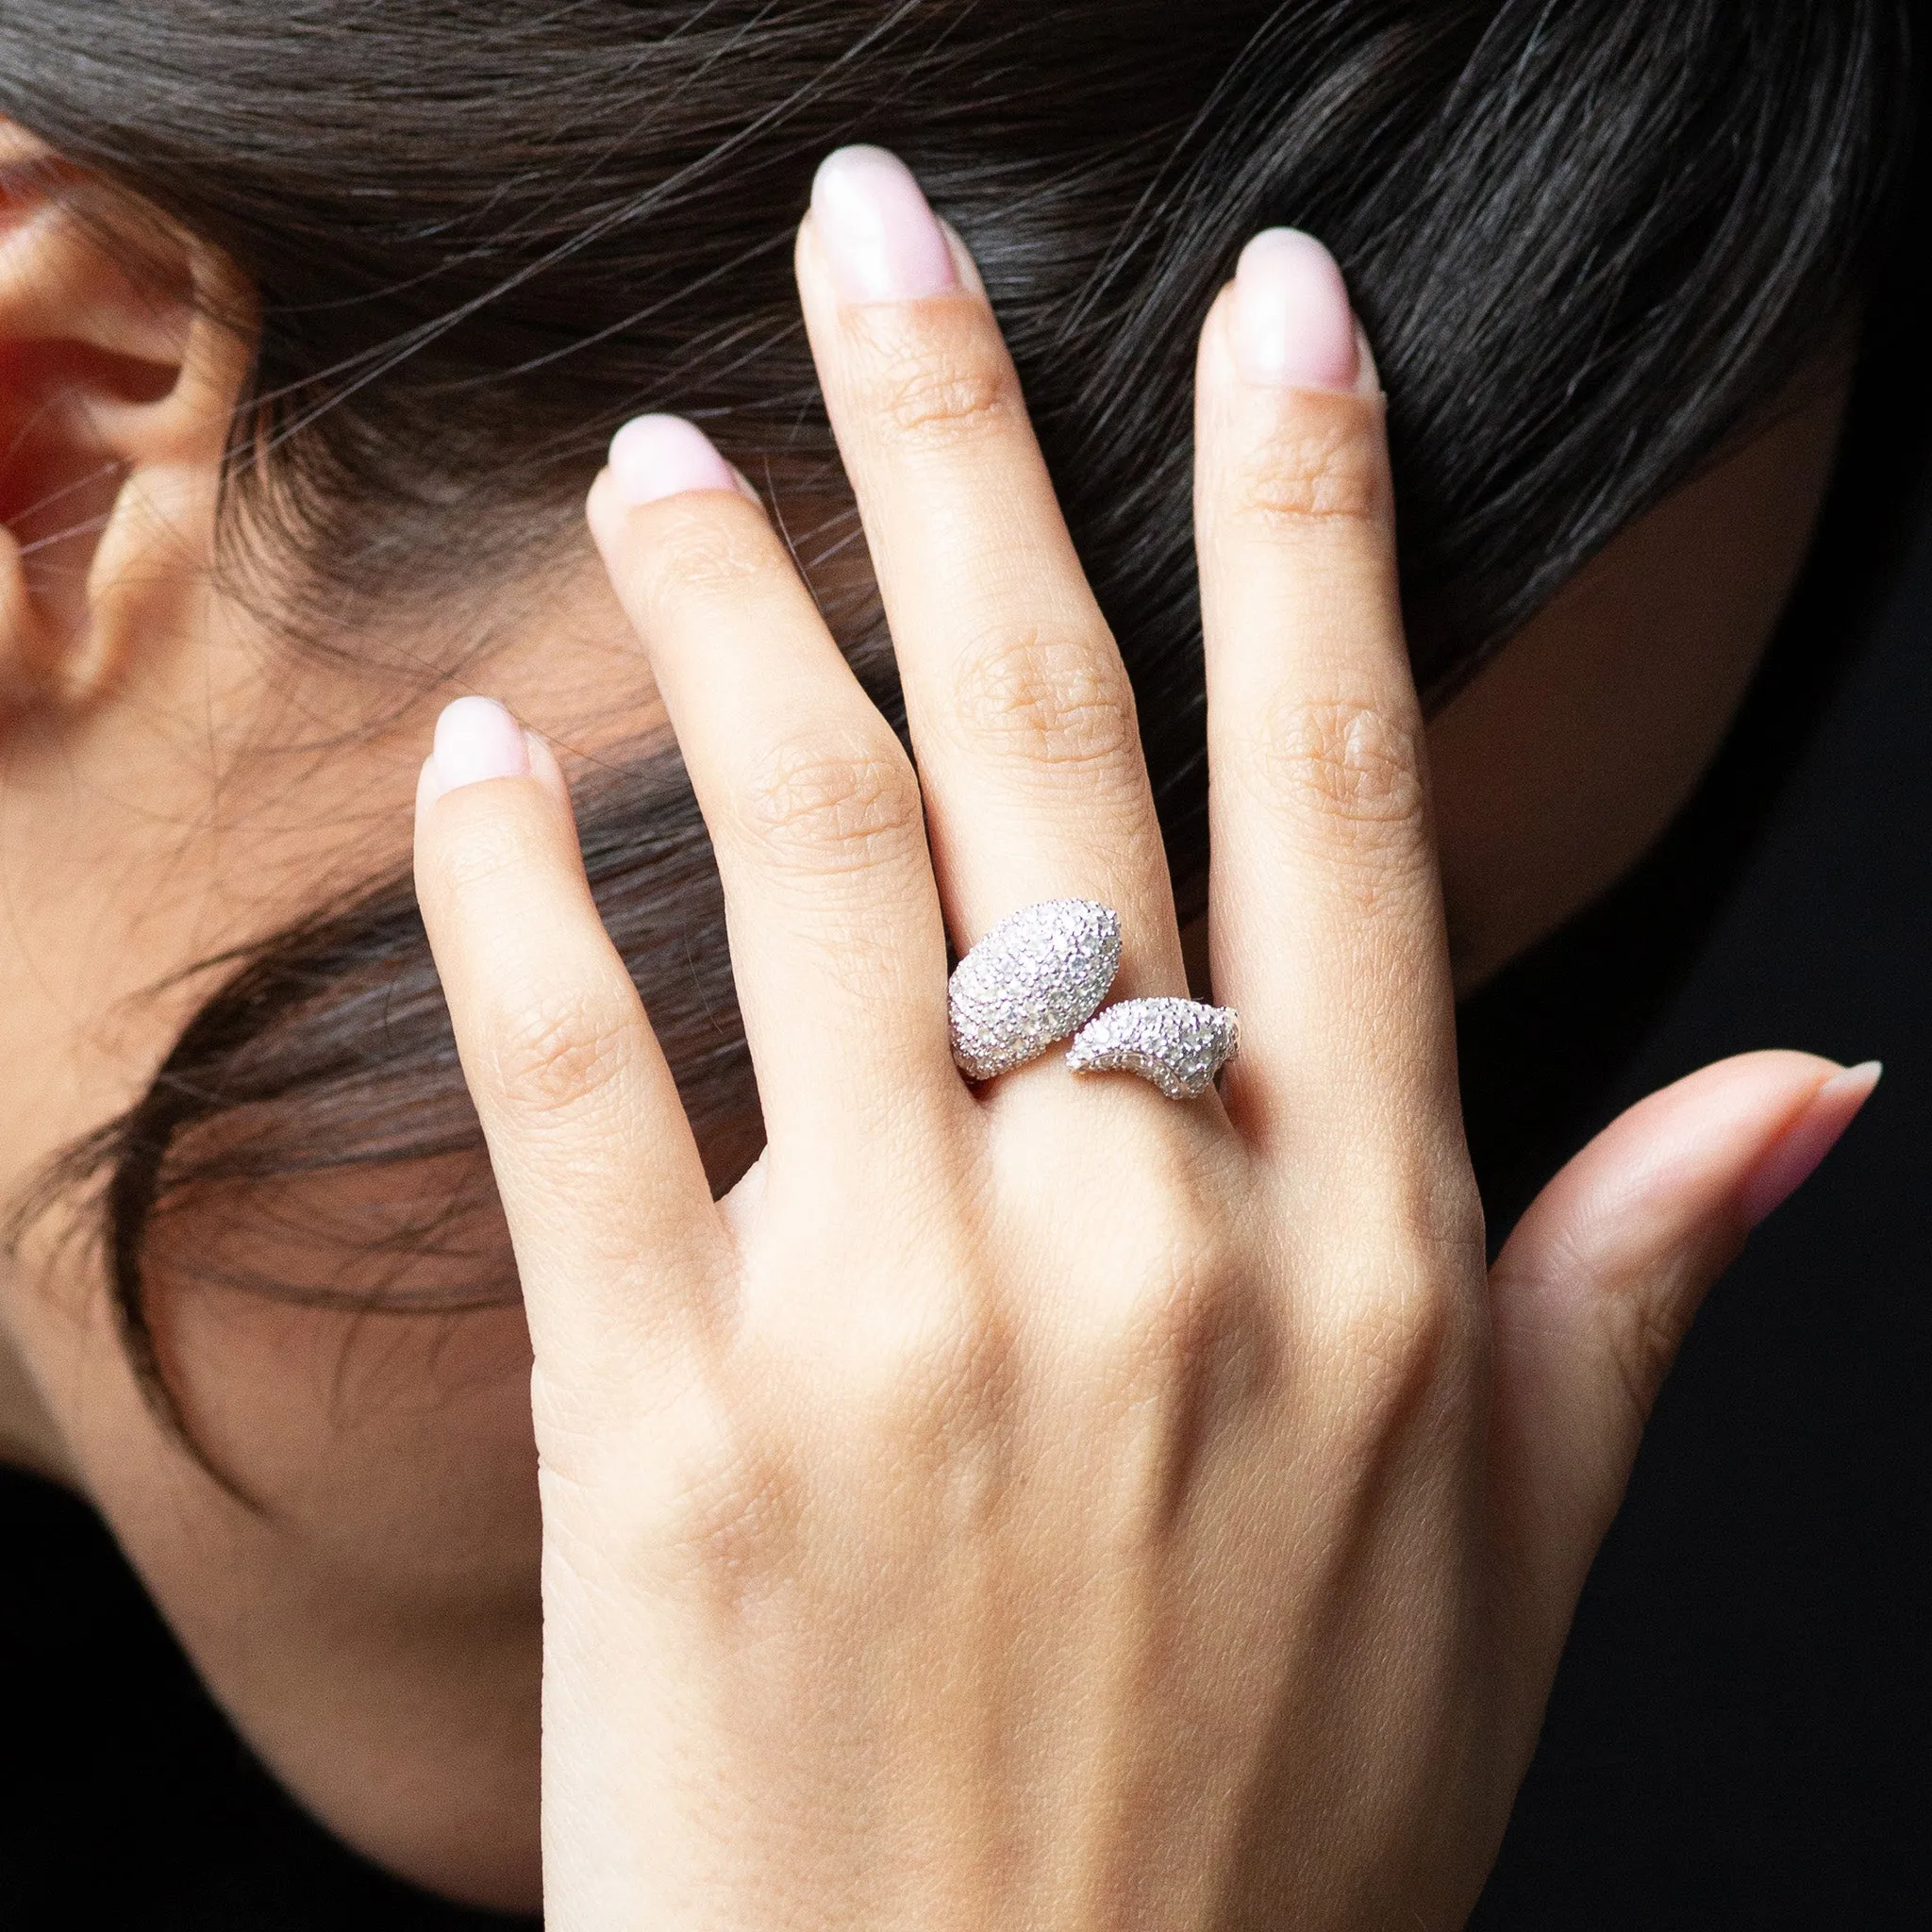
<point x="1353" y="372"/>
<point x="1807" y="1141"/>
<point x="1294" y="325"/>
<point x="655" y="457"/>
<point x="964" y="264"/>
<point x="651" y="458"/>
<point x="477" y="739"/>
<point x="881" y="239"/>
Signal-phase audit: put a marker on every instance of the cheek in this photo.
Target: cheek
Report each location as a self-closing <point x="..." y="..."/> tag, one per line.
<point x="1569" y="755"/>
<point x="356" y="1487"/>
<point x="313" y="1338"/>
<point x="397" y="1448"/>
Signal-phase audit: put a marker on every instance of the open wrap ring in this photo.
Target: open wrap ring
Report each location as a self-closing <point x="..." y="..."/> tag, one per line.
<point x="1038" y="975"/>
<point x="1180" y="1045"/>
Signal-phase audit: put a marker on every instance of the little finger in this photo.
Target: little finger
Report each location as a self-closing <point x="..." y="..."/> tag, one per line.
<point x="600" y="1178"/>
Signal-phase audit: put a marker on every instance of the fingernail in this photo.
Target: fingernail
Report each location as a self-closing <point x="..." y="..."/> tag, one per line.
<point x="664" y="455"/>
<point x="1802" y="1151"/>
<point x="879" y="235"/>
<point x="1293" y="325"/>
<point x="476" y="739"/>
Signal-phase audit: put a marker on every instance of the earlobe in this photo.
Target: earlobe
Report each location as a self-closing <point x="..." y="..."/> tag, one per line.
<point x="121" y="364"/>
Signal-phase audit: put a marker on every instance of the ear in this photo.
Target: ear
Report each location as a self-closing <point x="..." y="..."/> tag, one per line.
<point x="123" y="353"/>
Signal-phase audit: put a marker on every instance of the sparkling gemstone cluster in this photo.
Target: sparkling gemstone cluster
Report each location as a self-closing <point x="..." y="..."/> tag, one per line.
<point x="1180" y="1045"/>
<point x="1038" y="977"/>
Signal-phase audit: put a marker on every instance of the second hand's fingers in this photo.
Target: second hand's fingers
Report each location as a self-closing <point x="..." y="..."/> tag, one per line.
<point x="600" y="1179"/>
<point x="1019" y="704"/>
<point x="1326" y="916"/>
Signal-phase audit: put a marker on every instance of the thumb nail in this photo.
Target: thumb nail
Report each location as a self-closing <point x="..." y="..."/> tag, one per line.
<point x="1802" y="1149"/>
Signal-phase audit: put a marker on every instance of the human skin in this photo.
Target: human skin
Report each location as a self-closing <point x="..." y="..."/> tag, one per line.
<point x="174" y="781"/>
<point x="1046" y="1504"/>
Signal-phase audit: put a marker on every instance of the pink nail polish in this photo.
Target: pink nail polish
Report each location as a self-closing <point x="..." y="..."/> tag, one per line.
<point x="476" y="739"/>
<point x="1802" y="1150"/>
<point x="665" y="456"/>
<point x="879" y="235"/>
<point x="1293" y="325"/>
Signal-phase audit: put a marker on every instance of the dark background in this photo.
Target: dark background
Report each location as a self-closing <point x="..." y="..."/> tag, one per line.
<point x="1741" y="1732"/>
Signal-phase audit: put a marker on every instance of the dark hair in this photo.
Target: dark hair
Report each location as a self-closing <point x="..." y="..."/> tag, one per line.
<point x="1590" y="239"/>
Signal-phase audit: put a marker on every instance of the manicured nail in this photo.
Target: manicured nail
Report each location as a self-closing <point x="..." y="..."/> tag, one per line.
<point x="665" y="456"/>
<point x="878" y="233"/>
<point x="1294" y="326"/>
<point x="1802" y="1151"/>
<point x="476" y="739"/>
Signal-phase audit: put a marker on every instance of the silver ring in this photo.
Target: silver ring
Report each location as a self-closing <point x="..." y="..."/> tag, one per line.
<point x="1179" y="1044"/>
<point x="1038" y="975"/>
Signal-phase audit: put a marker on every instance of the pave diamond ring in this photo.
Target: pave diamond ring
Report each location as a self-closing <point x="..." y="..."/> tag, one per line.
<point x="1180" y="1045"/>
<point x="1038" y="975"/>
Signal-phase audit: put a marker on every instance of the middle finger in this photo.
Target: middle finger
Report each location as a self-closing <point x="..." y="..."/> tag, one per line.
<point x="1019" y="708"/>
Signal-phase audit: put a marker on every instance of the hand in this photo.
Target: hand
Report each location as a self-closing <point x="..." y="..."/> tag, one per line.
<point x="1046" y="1506"/>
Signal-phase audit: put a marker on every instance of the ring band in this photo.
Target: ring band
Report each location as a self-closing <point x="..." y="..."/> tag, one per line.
<point x="1180" y="1045"/>
<point x="1038" y="975"/>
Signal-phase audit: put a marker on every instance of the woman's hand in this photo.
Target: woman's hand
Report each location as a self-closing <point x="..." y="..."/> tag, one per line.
<point x="1046" y="1506"/>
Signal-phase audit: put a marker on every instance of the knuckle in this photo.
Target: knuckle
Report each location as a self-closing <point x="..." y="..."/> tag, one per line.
<point x="833" y="808"/>
<point x="937" y="1355"/>
<point x="1410" y="1318"/>
<point x="1322" y="466"/>
<point x="1421" y="1190"/>
<point x="494" y="850"/>
<point x="1344" y="764"/>
<point x="1189" y="1353"/>
<point x="951" y="1384"/>
<point x="1037" y="699"/>
<point x="940" y="382"/>
<point x="1186" y="1286"/>
<point x="729" y="1518"/>
<point x="699" y="552"/>
<point x="556" y="1056"/>
<point x="707" y="1507"/>
<point x="929" y="1386"/>
<point x="1394" y="1340"/>
<point x="1190" y="1307"/>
